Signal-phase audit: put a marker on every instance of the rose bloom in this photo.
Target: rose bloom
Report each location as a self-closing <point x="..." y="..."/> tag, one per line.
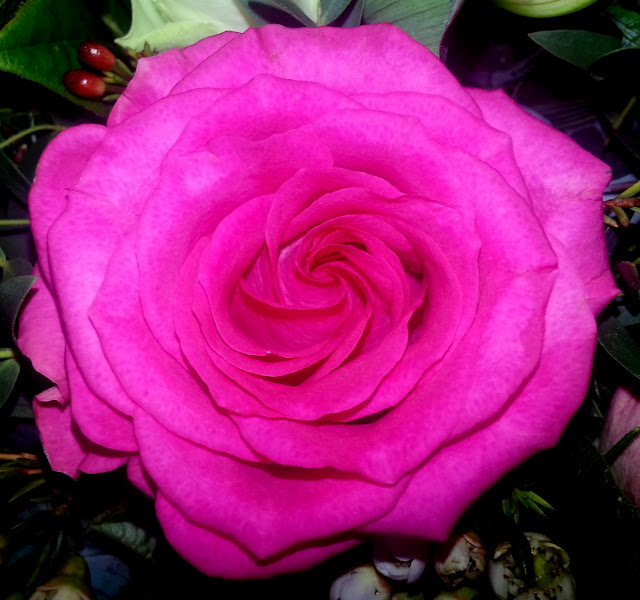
<point x="310" y="290"/>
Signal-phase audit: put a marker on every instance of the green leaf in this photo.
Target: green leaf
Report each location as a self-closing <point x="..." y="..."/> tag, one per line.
<point x="25" y="489"/>
<point x="330" y="10"/>
<point x="618" y="343"/>
<point x="578" y="47"/>
<point x="424" y="20"/>
<point x="9" y="371"/>
<point x="12" y="294"/>
<point x="352" y="17"/>
<point x="291" y="8"/>
<point x="129" y="535"/>
<point x="628" y="22"/>
<point x="539" y="500"/>
<point x="41" y="43"/>
<point x="621" y="446"/>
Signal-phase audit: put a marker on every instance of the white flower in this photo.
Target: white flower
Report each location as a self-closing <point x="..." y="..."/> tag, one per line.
<point x="400" y="559"/>
<point x="361" y="583"/>
<point x="461" y="557"/>
<point x="553" y="579"/>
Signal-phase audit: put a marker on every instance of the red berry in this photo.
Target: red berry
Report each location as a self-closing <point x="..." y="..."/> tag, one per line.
<point x="84" y="84"/>
<point x="96" y="56"/>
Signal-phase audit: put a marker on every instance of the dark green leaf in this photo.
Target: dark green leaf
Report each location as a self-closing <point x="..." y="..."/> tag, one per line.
<point x="16" y="267"/>
<point x="291" y="8"/>
<point x="24" y="490"/>
<point x="619" y="344"/>
<point x="578" y="47"/>
<point x="12" y="294"/>
<point x="129" y="535"/>
<point x="41" y="43"/>
<point x="14" y="179"/>
<point x="116" y="15"/>
<point x="13" y="268"/>
<point x="628" y="22"/>
<point x="9" y="371"/>
<point x="352" y="17"/>
<point x="424" y="20"/>
<point x="7" y="10"/>
<point x="621" y="446"/>
<point x="330" y="10"/>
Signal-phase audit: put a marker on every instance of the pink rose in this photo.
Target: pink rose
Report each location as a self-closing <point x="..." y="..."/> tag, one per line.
<point x="623" y="415"/>
<point x="309" y="290"/>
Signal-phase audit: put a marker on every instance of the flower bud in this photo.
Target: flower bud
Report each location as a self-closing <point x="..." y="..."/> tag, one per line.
<point x="461" y="557"/>
<point x="84" y="84"/>
<point x="400" y="559"/>
<point x="552" y="577"/>
<point x="96" y="56"/>
<point x="543" y="8"/>
<point x="361" y="583"/>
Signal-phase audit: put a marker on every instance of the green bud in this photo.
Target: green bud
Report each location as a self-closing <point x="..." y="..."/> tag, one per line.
<point x="543" y="8"/>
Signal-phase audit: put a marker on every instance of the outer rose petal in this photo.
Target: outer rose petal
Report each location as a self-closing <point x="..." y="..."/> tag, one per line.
<point x="220" y="557"/>
<point x="157" y="75"/>
<point x="565" y="184"/>
<point x="66" y="448"/>
<point x="60" y="166"/>
<point x="40" y="335"/>
<point x="622" y="417"/>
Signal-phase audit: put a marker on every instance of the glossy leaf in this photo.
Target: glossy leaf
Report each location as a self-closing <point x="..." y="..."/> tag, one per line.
<point x="9" y="371"/>
<point x="424" y="20"/>
<point x="619" y="344"/>
<point x="628" y="22"/>
<point x="580" y="48"/>
<point x="41" y="43"/>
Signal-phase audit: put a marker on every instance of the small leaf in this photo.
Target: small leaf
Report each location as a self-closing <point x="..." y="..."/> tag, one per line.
<point x="621" y="446"/>
<point x="580" y="48"/>
<point x="9" y="371"/>
<point x="129" y="535"/>
<point x="618" y="343"/>
<point x="24" y="490"/>
<point x="539" y="500"/>
<point x="424" y="20"/>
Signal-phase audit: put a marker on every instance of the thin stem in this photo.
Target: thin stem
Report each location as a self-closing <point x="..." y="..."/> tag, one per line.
<point x="7" y="353"/>
<point x="623" y="202"/>
<point x="14" y="222"/>
<point x="18" y="136"/>
<point x="10" y="456"/>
